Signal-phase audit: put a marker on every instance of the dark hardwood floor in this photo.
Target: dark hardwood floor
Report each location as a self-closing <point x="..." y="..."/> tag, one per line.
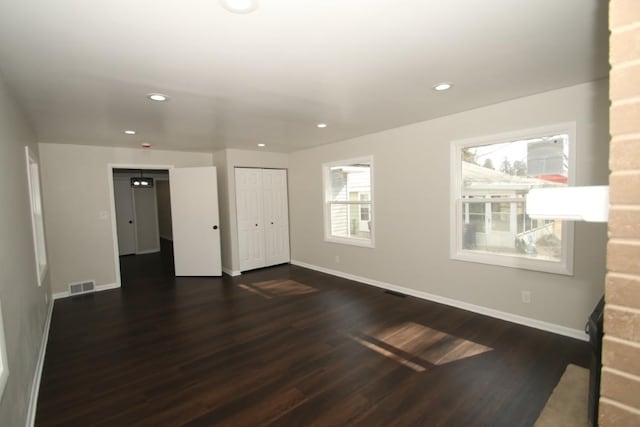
<point x="287" y="346"/>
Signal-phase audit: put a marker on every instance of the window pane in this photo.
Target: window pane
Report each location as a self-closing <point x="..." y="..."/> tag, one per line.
<point x="349" y="202"/>
<point x="502" y="174"/>
<point x="351" y="220"/>
<point x="511" y="169"/>
<point x="349" y="180"/>
<point x="509" y="231"/>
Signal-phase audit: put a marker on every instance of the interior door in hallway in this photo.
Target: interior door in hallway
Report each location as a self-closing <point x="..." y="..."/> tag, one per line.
<point x="124" y="216"/>
<point x="195" y="221"/>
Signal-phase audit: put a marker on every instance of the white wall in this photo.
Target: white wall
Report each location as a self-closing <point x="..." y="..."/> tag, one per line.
<point x="225" y="161"/>
<point x="77" y="206"/>
<point x="23" y="302"/>
<point x="412" y="208"/>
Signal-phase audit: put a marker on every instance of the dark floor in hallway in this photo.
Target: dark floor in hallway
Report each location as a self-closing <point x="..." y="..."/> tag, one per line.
<point x="287" y="346"/>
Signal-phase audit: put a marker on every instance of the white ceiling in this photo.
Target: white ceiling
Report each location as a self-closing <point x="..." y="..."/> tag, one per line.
<point x="81" y="68"/>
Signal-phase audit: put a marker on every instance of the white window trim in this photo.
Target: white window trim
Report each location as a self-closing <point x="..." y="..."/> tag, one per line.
<point x="565" y="265"/>
<point x="4" y="364"/>
<point x="35" y="197"/>
<point x="326" y="180"/>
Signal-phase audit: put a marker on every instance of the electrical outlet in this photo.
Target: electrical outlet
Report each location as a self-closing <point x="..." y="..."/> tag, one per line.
<point x="337" y="259"/>
<point x="526" y="297"/>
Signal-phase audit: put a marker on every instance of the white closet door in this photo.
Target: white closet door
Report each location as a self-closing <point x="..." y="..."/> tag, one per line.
<point x="276" y="215"/>
<point x="250" y="218"/>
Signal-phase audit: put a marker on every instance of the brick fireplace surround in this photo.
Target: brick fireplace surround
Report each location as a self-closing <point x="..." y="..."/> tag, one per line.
<point x="620" y="387"/>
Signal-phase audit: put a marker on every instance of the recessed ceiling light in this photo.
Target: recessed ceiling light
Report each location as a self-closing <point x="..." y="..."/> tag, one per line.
<point x="240" y="6"/>
<point x="146" y="145"/>
<point x="262" y="145"/>
<point x="157" y="97"/>
<point x="130" y="132"/>
<point x="442" y="86"/>
<point x="322" y="125"/>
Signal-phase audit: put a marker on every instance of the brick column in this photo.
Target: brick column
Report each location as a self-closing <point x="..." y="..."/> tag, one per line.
<point x="620" y="388"/>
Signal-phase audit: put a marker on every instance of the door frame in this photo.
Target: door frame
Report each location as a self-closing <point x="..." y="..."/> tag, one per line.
<point x="112" y="206"/>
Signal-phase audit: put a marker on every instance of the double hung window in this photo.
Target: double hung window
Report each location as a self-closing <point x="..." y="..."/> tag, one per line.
<point x="348" y="189"/>
<point x="491" y="177"/>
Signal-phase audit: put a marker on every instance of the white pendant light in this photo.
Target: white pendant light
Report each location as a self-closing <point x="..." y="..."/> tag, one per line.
<point x="240" y="6"/>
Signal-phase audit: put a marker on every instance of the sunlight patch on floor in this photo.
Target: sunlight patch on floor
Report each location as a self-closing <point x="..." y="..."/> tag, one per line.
<point x="419" y="347"/>
<point x="276" y="288"/>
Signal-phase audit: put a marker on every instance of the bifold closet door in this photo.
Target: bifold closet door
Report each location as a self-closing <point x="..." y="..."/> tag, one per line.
<point x="276" y="214"/>
<point x="249" y="207"/>
<point x="263" y="217"/>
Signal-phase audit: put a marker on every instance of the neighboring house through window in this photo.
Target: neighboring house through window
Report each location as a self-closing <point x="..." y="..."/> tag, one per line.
<point x="491" y="177"/>
<point x="348" y="188"/>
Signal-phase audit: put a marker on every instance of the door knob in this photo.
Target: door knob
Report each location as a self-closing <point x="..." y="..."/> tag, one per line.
<point x="215" y="227"/>
<point x="271" y="222"/>
<point x="130" y="222"/>
<point x="256" y="225"/>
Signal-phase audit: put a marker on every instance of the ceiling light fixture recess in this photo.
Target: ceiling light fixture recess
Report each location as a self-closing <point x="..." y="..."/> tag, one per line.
<point x="443" y="86"/>
<point x="240" y="6"/>
<point x="146" y="145"/>
<point x="159" y="97"/>
<point x="322" y="125"/>
<point x="130" y="132"/>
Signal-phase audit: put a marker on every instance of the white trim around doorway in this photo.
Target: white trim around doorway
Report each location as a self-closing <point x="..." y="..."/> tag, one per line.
<point x="114" y="229"/>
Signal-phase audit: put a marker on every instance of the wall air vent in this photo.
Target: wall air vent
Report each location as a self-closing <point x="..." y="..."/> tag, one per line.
<point x="82" y="287"/>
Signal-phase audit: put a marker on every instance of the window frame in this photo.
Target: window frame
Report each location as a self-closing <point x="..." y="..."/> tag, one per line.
<point x="37" y="215"/>
<point x="456" y="226"/>
<point x="4" y="362"/>
<point x="327" y="202"/>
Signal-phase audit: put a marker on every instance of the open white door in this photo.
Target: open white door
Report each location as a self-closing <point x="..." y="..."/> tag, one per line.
<point x="194" y="213"/>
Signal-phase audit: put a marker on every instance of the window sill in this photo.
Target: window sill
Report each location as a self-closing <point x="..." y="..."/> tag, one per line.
<point x="513" y="261"/>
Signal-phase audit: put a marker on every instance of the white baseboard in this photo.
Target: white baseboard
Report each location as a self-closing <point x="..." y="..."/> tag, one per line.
<point x="35" y="385"/>
<point x="98" y="288"/>
<point x="231" y="272"/>
<point x="510" y="317"/>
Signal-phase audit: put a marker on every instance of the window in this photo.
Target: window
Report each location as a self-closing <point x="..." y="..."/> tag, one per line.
<point x="37" y="221"/>
<point x="348" y="188"/>
<point x="491" y="177"/>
